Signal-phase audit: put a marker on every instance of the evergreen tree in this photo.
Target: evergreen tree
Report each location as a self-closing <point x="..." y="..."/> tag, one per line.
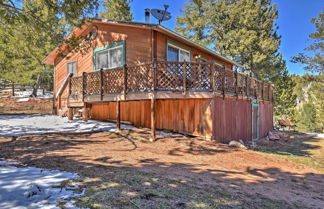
<point x="23" y="47"/>
<point x="314" y="63"/>
<point x="285" y="98"/>
<point x="117" y="10"/>
<point x="193" y="25"/>
<point x="244" y="30"/>
<point x="306" y="118"/>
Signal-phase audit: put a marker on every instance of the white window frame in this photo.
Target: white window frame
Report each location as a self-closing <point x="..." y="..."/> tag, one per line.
<point x="76" y="68"/>
<point x="179" y="49"/>
<point x="108" y="51"/>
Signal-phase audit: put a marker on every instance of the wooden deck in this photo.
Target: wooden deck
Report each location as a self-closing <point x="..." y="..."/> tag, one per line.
<point x="164" y="80"/>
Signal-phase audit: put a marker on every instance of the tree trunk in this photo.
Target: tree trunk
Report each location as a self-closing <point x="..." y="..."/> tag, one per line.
<point x="36" y="86"/>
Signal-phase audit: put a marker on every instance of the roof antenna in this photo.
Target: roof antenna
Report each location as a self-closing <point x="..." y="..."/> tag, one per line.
<point x="161" y="15"/>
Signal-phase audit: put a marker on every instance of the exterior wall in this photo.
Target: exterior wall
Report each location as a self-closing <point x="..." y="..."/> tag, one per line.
<point x="162" y="40"/>
<point x="232" y="119"/>
<point x="221" y="119"/>
<point x="138" y="49"/>
<point x="181" y="115"/>
<point x="266" y="118"/>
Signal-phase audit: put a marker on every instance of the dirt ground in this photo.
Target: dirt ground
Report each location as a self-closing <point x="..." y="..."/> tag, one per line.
<point x="249" y="175"/>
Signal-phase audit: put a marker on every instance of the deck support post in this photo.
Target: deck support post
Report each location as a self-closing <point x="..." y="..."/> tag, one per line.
<point x="118" y="114"/>
<point x="153" y="119"/>
<point x="70" y="113"/>
<point x="85" y="113"/>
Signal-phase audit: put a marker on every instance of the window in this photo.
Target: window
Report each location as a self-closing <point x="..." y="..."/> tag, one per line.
<point x="111" y="56"/>
<point x="72" y="68"/>
<point x="177" y="54"/>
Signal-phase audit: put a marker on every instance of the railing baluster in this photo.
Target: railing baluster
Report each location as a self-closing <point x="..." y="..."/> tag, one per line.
<point x="125" y="81"/>
<point x="184" y="78"/>
<point x="84" y="74"/>
<point x="101" y="85"/>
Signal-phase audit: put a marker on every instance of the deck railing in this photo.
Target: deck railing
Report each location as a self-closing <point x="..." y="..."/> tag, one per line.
<point x="170" y="76"/>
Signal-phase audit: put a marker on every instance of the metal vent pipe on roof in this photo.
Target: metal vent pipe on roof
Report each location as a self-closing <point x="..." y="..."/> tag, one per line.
<point x="147" y="15"/>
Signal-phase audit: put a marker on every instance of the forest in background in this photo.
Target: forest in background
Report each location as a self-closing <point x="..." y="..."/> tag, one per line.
<point x="243" y="30"/>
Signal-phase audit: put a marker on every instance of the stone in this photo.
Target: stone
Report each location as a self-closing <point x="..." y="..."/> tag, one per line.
<point x="236" y="144"/>
<point x="263" y="142"/>
<point x="273" y="135"/>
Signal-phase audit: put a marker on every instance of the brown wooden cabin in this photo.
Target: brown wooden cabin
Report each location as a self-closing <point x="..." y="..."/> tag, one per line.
<point x="152" y="77"/>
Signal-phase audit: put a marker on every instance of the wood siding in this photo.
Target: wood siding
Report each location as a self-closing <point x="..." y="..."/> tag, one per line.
<point x="181" y="115"/>
<point x="232" y="119"/>
<point x="266" y="118"/>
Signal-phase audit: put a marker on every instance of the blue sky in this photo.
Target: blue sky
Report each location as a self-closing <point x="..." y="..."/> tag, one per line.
<point x="294" y="22"/>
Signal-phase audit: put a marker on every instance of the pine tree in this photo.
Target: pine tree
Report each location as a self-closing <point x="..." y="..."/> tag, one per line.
<point x="117" y="10"/>
<point x="23" y="47"/>
<point x="314" y="63"/>
<point x="285" y="98"/>
<point x="307" y="118"/>
<point x="192" y="25"/>
<point x="244" y="30"/>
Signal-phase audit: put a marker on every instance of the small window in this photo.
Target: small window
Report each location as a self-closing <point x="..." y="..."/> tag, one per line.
<point x="72" y="68"/>
<point x="177" y="54"/>
<point x="109" y="58"/>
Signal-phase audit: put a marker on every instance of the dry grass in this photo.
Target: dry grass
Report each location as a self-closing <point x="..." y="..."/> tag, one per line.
<point x="124" y="170"/>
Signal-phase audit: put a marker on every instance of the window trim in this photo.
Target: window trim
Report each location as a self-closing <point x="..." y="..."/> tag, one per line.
<point x="202" y="59"/>
<point x="179" y="47"/>
<point x="109" y="47"/>
<point x="76" y="67"/>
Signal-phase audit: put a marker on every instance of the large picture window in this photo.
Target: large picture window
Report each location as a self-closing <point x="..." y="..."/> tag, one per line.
<point x="72" y="68"/>
<point x="177" y="54"/>
<point x="110" y="56"/>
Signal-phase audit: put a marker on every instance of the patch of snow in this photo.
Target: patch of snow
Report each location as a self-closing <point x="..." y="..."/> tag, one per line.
<point x="19" y="125"/>
<point x="23" y="99"/>
<point x="26" y="188"/>
<point x="315" y="134"/>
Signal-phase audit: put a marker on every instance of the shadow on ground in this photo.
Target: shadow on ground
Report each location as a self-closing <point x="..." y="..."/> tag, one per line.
<point x="126" y="171"/>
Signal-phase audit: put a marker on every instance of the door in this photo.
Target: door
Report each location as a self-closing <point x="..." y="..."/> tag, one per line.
<point x="255" y="120"/>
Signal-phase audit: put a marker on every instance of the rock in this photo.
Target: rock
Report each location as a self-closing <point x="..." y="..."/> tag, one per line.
<point x="236" y="144"/>
<point x="263" y="142"/>
<point x="273" y="135"/>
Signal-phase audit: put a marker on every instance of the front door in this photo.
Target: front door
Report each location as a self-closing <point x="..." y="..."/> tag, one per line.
<point x="255" y="120"/>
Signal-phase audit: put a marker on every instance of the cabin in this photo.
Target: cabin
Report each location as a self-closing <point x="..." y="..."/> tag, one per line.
<point x="152" y="77"/>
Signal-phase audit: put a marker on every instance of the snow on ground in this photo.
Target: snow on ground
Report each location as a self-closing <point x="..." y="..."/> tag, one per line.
<point x="315" y="134"/>
<point x="28" y="92"/>
<point x="19" y="125"/>
<point x="29" y="187"/>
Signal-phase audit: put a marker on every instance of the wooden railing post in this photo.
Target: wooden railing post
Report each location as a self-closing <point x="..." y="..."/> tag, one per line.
<point x="154" y="75"/>
<point x="213" y="72"/>
<point x="184" y="77"/>
<point x="224" y="83"/>
<point x="236" y="83"/>
<point x="269" y="92"/>
<point x="101" y="85"/>
<point x="84" y="85"/>
<point x="118" y="114"/>
<point x="125" y="81"/>
<point x="262" y="87"/>
<point x="247" y="86"/>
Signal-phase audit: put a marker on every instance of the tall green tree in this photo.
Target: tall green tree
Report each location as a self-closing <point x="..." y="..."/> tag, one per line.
<point x="23" y="47"/>
<point x="285" y="98"/>
<point x="192" y="24"/>
<point x="117" y="10"/>
<point x="244" y="30"/>
<point x="315" y="62"/>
